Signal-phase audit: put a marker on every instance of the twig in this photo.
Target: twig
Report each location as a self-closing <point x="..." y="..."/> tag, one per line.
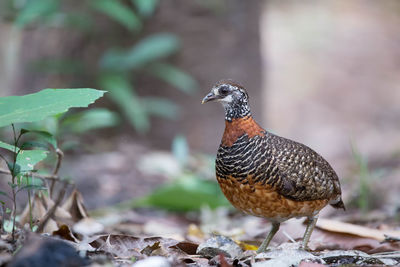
<point x="60" y="156"/>
<point x="52" y="210"/>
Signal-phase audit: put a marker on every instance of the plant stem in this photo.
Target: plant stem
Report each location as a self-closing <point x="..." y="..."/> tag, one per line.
<point x="60" y="156"/>
<point x="14" y="194"/>
<point x="30" y="204"/>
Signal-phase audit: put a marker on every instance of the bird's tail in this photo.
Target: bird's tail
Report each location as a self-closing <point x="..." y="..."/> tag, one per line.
<point x="338" y="204"/>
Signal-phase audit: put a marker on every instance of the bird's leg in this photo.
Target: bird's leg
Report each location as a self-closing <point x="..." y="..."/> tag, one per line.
<point x="310" y="227"/>
<point x="265" y="243"/>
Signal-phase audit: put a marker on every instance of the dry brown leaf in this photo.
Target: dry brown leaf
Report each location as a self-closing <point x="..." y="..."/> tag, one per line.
<point x="65" y="233"/>
<point x="60" y="213"/>
<point x="150" y="249"/>
<point x="38" y="212"/>
<point x="128" y="246"/>
<point x="74" y="205"/>
<point x="187" y="247"/>
<point x="353" y="229"/>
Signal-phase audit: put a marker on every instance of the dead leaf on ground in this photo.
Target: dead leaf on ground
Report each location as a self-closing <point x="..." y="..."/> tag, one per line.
<point x="65" y="233"/>
<point x="353" y="229"/>
<point x="38" y="212"/>
<point x="150" y="248"/>
<point x="128" y="246"/>
<point x="187" y="247"/>
<point x="74" y="205"/>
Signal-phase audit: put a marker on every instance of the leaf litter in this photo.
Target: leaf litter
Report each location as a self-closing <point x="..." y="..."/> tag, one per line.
<point x="137" y="236"/>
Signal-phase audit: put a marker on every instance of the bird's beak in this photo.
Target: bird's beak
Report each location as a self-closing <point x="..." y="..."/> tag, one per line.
<point x="210" y="97"/>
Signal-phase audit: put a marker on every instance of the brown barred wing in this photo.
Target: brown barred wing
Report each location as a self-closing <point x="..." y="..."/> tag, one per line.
<point x="302" y="173"/>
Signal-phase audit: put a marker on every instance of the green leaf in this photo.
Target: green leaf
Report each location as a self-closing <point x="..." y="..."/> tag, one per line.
<point x="91" y="119"/>
<point x="149" y="49"/>
<point x="161" y="107"/>
<point x="118" y="12"/>
<point x="185" y="194"/>
<point x="180" y="149"/>
<point x="3" y="193"/>
<point x="32" y="187"/>
<point x="37" y="106"/>
<point x="35" y="9"/>
<point x="26" y="159"/>
<point x="31" y="181"/>
<point x="44" y="135"/>
<point x="145" y="7"/>
<point x="12" y="185"/>
<point x="33" y="144"/>
<point x="122" y="93"/>
<point x="174" y="77"/>
<point x="15" y="169"/>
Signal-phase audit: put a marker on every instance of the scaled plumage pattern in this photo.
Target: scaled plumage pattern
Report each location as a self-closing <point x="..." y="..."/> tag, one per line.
<point x="269" y="176"/>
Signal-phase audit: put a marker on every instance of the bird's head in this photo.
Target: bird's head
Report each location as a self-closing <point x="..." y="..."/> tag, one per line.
<point x="232" y="96"/>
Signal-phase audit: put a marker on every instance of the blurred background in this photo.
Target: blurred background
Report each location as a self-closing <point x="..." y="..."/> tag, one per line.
<point x="324" y="73"/>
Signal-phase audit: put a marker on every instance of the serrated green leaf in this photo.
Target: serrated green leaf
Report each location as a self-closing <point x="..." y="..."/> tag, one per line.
<point x="37" y="106"/>
<point x="149" y="49"/>
<point x="119" y="12"/>
<point x="90" y="120"/>
<point x="185" y="194"/>
<point x="145" y="7"/>
<point x="122" y="93"/>
<point x="174" y="77"/>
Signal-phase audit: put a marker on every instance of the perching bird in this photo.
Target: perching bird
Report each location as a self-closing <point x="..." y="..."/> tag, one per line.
<point x="266" y="175"/>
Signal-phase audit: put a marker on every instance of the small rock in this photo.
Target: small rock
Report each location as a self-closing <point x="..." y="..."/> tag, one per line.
<point x="340" y="257"/>
<point x="155" y="261"/>
<point x="217" y="245"/>
<point x="285" y="257"/>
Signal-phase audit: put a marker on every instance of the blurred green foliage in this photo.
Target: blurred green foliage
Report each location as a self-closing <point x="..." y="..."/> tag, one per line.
<point x="191" y="189"/>
<point x="118" y="68"/>
<point x="187" y="193"/>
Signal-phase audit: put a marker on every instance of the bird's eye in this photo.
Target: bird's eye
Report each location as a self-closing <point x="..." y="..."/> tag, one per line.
<point x="224" y="90"/>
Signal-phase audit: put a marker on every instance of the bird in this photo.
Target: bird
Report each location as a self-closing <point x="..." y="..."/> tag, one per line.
<point x="265" y="175"/>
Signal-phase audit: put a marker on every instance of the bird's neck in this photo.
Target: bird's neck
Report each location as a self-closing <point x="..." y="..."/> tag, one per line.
<point x="236" y="128"/>
<point x="237" y="110"/>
